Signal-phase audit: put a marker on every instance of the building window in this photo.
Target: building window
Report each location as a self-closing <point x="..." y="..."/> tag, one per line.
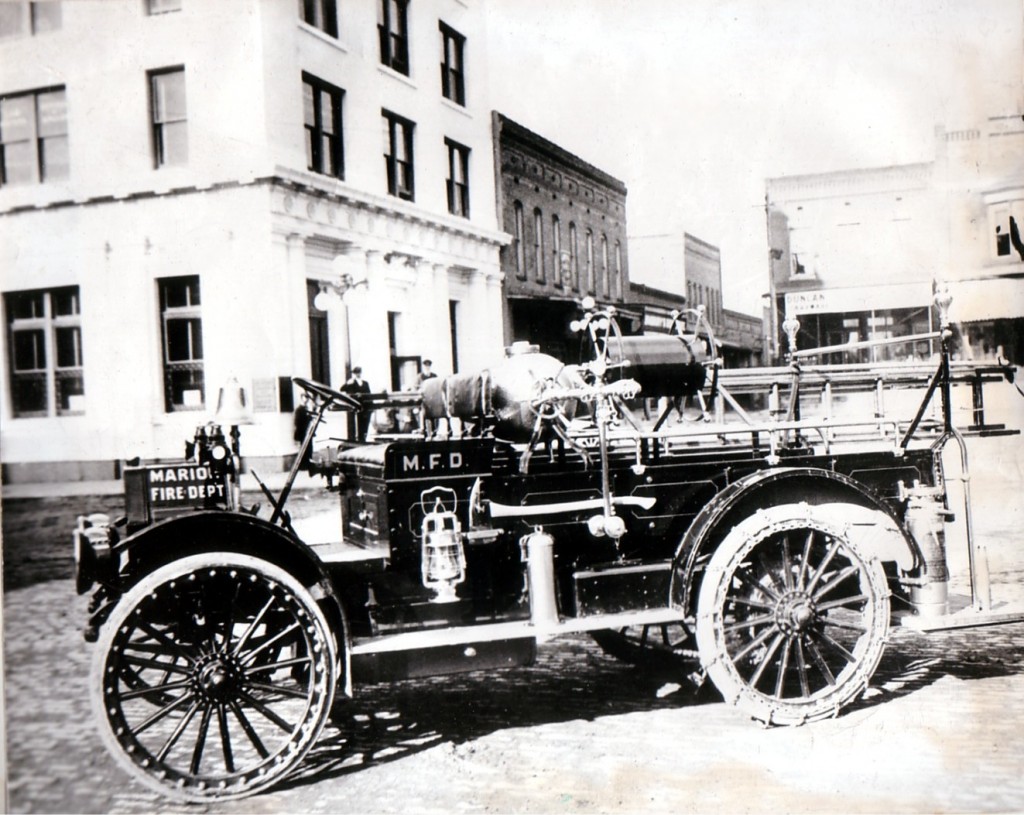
<point x="606" y="286"/>
<point x="170" y="124"/>
<point x="321" y="14"/>
<point x="33" y="137"/>
<point x="458" y="178"/>
<point x="319" y="339"/>
<point x="398" y="155"/>
<point x="617" y="280"/>
<point x="538" y="246"/>
<point x="518" y="240"/>
<point x="797" y="269"/>
<point x="19" y="19"/>
<point x="394" y="35"/>
<point x="574" y="257"/>
<point x="557" y="270"/>
<point x="162" y="6"/>
<point x="453" y="78"/>
<point x="182" y="328"/>
<point x="591" y="282"/>
<point x="321" y="104"/>
<point x="1009" y="231"/>
<point x="453" y="325"/>
<point x="45" y="340"/>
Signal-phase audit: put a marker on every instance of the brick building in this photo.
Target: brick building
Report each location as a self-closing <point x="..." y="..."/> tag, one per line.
<point x="567" y="219"/>
<point x="684" y="263"/>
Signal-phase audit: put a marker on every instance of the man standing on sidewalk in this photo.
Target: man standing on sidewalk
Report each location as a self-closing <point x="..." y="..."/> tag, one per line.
<point x="359" y="387"/>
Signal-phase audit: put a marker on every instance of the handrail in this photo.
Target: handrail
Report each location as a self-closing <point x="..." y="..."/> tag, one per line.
<point x="864" y="373"/>
<point x="855" y="346"/>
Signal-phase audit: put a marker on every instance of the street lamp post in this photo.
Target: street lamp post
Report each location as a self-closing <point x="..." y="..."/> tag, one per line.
<point x="334" y="296"/>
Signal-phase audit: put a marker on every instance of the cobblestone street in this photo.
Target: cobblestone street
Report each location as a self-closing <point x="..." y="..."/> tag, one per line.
<point x="939" y="730"/>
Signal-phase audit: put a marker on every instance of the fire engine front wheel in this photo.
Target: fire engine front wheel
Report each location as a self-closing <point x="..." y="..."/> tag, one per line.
<point x="792" y="617"/>
<point x="214" y="676"/>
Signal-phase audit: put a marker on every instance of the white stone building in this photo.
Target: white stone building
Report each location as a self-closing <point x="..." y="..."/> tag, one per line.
<point x="857" y="254"/>
<point x="181" y="179"/>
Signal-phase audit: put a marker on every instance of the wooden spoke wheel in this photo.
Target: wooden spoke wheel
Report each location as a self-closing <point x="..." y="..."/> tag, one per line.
<point x="791" y="617"/>
<point x="214" y="676"/>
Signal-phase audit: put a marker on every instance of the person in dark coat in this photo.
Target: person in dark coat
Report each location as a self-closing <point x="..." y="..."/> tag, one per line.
<point x="359" y="387"/>
<point x="303" y="417"/>
<point x="430" y="426"/>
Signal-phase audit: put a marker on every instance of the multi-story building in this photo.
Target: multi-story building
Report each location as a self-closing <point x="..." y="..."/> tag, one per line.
<point x="185" y="185"/>
<point x="661" y="309"/>
<point x="567" y="219"/>
<point x="857" y="254"/>
<point x="682" y="262"/>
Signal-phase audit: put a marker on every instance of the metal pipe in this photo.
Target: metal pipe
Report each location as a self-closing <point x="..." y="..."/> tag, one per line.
<point x="855" y="346"/>
<point x="602" y="429"/>
<point x="511" y="511"/>
<point x="297" y="463"/>
<point x="936" y="378"/>
<point x="977" y="553"/>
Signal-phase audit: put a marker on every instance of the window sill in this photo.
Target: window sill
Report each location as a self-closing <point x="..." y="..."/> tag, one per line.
<point x="391" y="72"/>
<point x="323" y="36"/>
<point x="448" y="103"/>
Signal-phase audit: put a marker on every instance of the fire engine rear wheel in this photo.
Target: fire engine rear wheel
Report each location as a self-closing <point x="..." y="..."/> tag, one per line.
<point x="665" y="646"/>
<point x="214" y="676"/>
<point x="792" y="617"/>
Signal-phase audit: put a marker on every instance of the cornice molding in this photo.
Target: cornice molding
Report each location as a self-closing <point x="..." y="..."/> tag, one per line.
<point x="512" y="136"/>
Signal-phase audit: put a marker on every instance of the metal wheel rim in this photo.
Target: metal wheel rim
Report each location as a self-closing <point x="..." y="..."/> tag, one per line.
<point x="798" y="622"/>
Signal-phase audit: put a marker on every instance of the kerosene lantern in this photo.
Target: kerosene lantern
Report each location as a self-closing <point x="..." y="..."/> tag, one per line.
<point x="443" y="560"/>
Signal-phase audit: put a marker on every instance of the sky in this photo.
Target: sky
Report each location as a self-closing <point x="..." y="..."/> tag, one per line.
<point x="694" y="103"/>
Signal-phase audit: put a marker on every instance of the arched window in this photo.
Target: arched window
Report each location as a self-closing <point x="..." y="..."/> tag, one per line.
<point x="617" y="280"/>
<point x="556" y="251"/>
<point x="605" y="268"/>
<point x="574" y="257"/>
<point x="538" y="245"/>
<point x="591" y="287"/>
<point x="517" y="241"/>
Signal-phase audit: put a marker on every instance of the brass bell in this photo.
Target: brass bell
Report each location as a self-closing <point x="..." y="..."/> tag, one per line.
<point x="232" y="407"/>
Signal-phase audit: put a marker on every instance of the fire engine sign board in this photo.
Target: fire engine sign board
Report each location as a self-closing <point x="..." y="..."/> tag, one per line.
<point x="162" y="489"/>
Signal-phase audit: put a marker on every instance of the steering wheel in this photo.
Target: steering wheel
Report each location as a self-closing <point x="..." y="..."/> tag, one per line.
<point x="327" y="393"/>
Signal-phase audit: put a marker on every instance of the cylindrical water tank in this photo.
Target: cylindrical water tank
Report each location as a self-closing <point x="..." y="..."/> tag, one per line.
<point x="662" y="363"/>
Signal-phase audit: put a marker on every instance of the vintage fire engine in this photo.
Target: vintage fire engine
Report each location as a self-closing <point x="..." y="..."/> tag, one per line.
<point x="766" y="551"/>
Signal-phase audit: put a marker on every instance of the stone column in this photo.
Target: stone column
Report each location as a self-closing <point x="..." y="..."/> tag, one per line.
<point x="368" y="321"/>
<point x="294" y="283"/>
<point x="439" y="339"/>
<point x="493" y="307"/>
<point x="474" y="342"/>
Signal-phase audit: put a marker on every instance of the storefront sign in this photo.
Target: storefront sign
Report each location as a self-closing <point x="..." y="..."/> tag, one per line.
<point x="861" y="298"/>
